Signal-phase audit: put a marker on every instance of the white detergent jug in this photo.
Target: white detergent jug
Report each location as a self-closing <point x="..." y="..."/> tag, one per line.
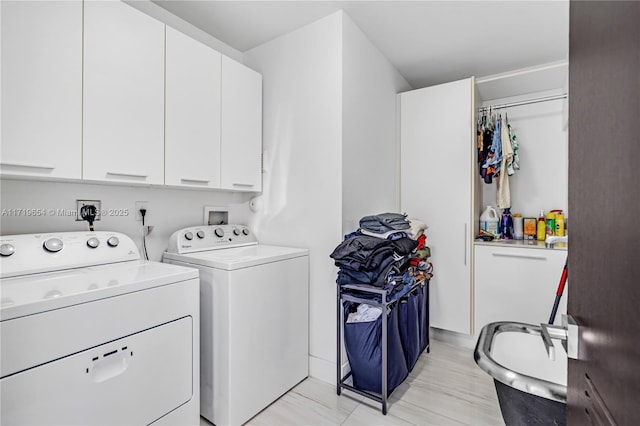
<point x="489" y="220"/>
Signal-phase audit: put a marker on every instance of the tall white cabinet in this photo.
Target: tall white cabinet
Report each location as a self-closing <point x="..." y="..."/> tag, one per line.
<point x="192" y="124"/>
<point x="438" y="187"/>
<point x="41" y="89"/>
<point x="241" y="144"/>
<point x="123" y="123"/>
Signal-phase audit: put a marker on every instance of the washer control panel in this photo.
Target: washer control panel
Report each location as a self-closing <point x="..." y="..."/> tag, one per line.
<point x="34" y="253"/>
<point x="210" y="237"/>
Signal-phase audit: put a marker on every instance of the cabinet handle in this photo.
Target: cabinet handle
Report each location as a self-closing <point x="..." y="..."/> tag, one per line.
<point x="110" y="367"/>
<point x="521" y="256"/>
<point x="198" y="181"/>
<point x="248" y="185"/>
<point x="31" y="166"/>
<point x="128" y="175"/>
<point x="465" y="244"/>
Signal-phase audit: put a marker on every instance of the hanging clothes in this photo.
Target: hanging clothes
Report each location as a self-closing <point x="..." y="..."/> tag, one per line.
<point x="484" y="142"/>
<point x="493" y="160"/>
<point x="503" y="190"/>
<point x="481" y="153"/>
<point x="515" y="164"/>
<point x="495" y="156"/>
<point x="494" y="136"/>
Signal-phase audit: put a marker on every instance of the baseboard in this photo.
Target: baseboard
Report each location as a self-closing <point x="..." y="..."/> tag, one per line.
<point x="322" y="369"/>
<point x="453" y="338"/>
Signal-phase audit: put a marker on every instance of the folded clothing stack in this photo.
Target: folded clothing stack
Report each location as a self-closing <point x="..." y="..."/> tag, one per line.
<point x="384" y="222"/>
<point x="381" y="252"/>
<point x="364" y="259"/>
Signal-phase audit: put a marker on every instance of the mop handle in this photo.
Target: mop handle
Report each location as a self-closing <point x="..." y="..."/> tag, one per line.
<point x="559" y="291"/>
<point x="563" y="280"/>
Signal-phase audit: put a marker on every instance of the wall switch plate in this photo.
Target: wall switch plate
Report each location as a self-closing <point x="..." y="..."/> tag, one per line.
<point x="81" y="203"/>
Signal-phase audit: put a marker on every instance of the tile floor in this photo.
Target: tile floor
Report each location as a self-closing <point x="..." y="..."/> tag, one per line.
<point x="444" y="388"/>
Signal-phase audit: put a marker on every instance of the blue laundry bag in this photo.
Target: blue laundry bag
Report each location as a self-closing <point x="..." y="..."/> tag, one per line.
<point x="423" y="315"/>
<point x="409" y="324"/>
<point x="363" y="343"/>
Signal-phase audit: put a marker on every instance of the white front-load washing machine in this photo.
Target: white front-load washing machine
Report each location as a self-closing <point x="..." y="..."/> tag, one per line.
<point x="254" y="312"/>
<point x="93" y="335"/>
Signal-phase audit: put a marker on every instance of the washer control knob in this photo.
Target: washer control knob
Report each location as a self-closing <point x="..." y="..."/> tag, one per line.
<point x="7" y="250"/>
<point x="236" y="232"/>
<point x="53" y="245"/>
<point x="113" y="242"/>
<point x="219" y="232"/>
<point x="188" y="236"/>
<point x="245" y="231"/>
<point x="93" y="242"/>
<point x="200" y="234"/>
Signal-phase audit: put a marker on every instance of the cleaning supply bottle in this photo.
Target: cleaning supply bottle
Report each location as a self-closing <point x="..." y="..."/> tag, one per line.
<point x="559" y="223"/>
<point x="506" y="225"/>
<point x="551" y="223"/>
<point x="518" y="226"/>
<point x="489" y="220"/>
<point x="541" y="233"/>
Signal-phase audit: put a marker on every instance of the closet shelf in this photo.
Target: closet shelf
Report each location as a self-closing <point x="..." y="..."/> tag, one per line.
<point x="524" y="102"/>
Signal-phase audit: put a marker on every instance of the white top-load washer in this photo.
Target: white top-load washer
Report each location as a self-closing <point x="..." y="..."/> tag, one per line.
<point x="254" y="312"/>
<point x="93" y="335"/>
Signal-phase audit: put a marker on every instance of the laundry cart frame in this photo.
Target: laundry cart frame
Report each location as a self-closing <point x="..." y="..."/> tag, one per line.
<point x="345" y="294"/>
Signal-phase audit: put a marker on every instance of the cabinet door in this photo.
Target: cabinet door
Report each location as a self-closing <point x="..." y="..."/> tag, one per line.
<point x="41" y="89"/>
<point x="517" y="284"/>
<point x="192" y="126"/>
<point x="123" y="94"/>
<point x="241" y="159"/>
<point x="436" y="187"/>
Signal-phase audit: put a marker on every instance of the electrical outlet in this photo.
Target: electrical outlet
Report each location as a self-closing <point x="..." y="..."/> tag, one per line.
<point x="140" y="205"/>
<point x="81" y="203"/>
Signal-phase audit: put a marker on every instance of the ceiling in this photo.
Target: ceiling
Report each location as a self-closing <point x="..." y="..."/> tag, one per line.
<point x="429" y="42"/>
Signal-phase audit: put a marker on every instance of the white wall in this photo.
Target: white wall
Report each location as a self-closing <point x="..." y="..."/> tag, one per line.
<point x="370" y="158"/>
<point x="168" y="209"/>
<point x="329" y="124"/>
<point x="163" y="15"/>
<point x="301" y="200"/>
<point x="542" y="181"/>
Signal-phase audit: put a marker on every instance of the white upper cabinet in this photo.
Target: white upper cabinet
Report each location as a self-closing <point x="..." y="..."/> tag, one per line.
<point x="85" y="96"/>
<point x="123" y="94"/>
<point x="192" y="123"/>
<point x="437" y="187"/>
<point x="241" y="143"/>
<point x="41" y="89"/>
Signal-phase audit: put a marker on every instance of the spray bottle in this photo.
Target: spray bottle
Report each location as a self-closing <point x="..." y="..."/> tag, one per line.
<point x="541" y="233"/>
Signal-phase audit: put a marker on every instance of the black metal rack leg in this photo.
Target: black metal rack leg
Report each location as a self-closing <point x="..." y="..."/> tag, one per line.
<point x="385" y="360"/>
<point x="339" y="343"/>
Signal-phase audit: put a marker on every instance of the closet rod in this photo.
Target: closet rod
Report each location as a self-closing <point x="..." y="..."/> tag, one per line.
<point x="527" y="102"/>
